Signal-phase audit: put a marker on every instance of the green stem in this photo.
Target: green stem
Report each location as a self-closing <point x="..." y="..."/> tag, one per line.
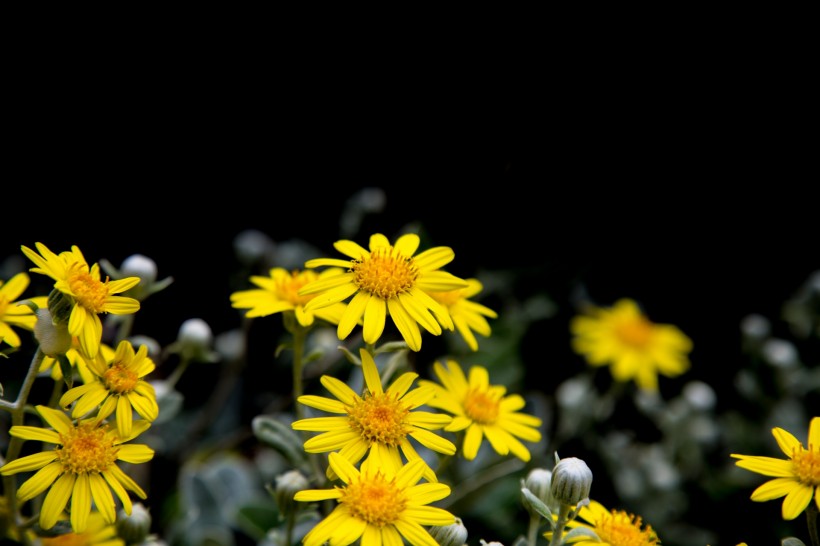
<point x="177" y="373"/>
<point x="558" y="528"/>
<point x="532" y="531"/>
<point x="291" y="523"/>
<point x="811" y="521"/>
<point x="16" y="444"/>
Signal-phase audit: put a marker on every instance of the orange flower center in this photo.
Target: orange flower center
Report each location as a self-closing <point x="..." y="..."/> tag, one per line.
<point x="807" y="465"/>
<point x="374" y="499"/>
<point x="481" y="406"/>
<point x="636" y="331"/>
<point x="385" y="273"/>
<point x="69" y="539"/>
<point x="622" y="529"/>
<point x="88" y="291"/>
<point x="87" y="448"/>
<point x="287" y="289"/>
<point x="379" y="418"/>
<point x="120" y="379"/>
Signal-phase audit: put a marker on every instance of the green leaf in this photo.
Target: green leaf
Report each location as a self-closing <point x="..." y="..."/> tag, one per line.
<point x="281" y="437"/>
<point x="581" y="532"/>
<point x="537" y="505"/>
<point x="67" y="370"/>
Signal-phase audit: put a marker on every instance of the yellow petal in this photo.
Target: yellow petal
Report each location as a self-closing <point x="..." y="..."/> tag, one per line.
<point x="135" y="453"/>
<point x="768" y="466"/>
<point x="80" y="503"/>
<point x="796" y="501"/>
<point x="103" y="499"/>
<point x="371" y="372"/>
<point x="56" y="500"/>
<point x="774" y="489"/>
<point x="28" y="463"/>
<point x="39" y="482"/>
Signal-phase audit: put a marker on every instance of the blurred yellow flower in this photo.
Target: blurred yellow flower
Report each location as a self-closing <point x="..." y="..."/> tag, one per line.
<point x="97" y="533"/>
<point x="633" y="347"/>
<point x="88" y="294"/>
<point x="468" y="316"/>
<point x="796" y="478"/>
<point x="378" y="506"/>
<point x="387" y="279"/>
<point x="612" y="527"/>
<point x="77" y="361"/>
<point x="484" y="410"/>
<point x="80" y="469"/>
<point x="378" y="423"/>
<point x="14" y="314"/>
<point x="118" y="385"/>
<point x="279" y="293"/>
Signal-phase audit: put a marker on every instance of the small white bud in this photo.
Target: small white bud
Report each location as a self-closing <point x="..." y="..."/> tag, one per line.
<point x="287" y="485"/>
<point x="571" y="481"/>
<point x="454" y="534"/>
<point x="134" y="529"/>
<point x="140" y="266"/>
<point x="54" y="339"/>
<point x="538" y="482"/>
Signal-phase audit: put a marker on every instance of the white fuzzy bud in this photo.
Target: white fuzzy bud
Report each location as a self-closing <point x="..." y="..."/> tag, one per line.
<point x="54" y="339"/>
<point x="140" y="266"/>
<point x="134" y="529"/>
<point x="454" y="534"/>
<point x="571" y="481"/>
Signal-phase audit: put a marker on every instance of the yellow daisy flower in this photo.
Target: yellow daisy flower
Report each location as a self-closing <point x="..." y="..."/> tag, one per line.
<point x="379" y="422"/>
<point x="634" y="348"/>
<point x="51" y="367"/>
<point x="279" y="293"/>
<point x="483" y="410"/>
<point x="797" y="479"/>
<point x="12" y="313"/>
<point x="378" y="506"/>
<point x="118" y="384"/>
<point x="613" y="527"/>
<point x="89" y="295"/>
<point x="81" y="468"/>
<point x="387" y="279"/>
<point x="97" y="533"/>
<point x="468" y="316"/>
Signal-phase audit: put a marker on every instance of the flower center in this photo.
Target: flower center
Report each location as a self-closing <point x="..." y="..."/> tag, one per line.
<point x="120" y="379"/>
<point x="288" y="288"/>
<point x="68" y="539"/>
<point x="87" y="290"/>
<point x="481" y="406"/>
<point x="379" y="419"/>
<point x="622" y="529"/>
<point x="374" y="500"/>
<point x="385" y="273"/>
<point x="635" y="332"/>
<point x="807" y="465"/>
<point x="87" y="448"/>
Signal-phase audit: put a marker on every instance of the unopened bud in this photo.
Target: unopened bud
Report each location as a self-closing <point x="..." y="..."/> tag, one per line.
<point x="195" y="339"/>
<point x="571" y="481"/>
<point x="54" y="339"/>
<point x="140" y="266"/>
<point x="538" y="483"/>
<point x="60" y="305"/>
<point x="454" y="534"/>
<point x="134" y="529"/>
<point x="287" y="485"/>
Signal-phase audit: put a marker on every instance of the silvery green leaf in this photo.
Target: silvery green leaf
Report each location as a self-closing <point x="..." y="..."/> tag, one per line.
<point x="280" y="436"/>
<point x="353" y="359"/>
<point x="537" y="504"/>
<point x="581" y="532"/>
<point x="392" y="346"/>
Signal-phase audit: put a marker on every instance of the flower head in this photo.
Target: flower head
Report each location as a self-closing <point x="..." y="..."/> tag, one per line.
<point x="78" y="362"/>
<point x="379" y="423"/>
<point x="118" y="385"/>
<point x="88" y="295"/>
<point x="634" y="348"/>
<point x="98" y="533"/>
<point x="387" y="279"/>
<point x="13" y="312"/>
<point x="378" y="506"/>
<point x="81" y="468"/>
<point x="484" y="410"/>
<point x="468" y="316"/>
<point x="612" y="527"/>
<point x="796" y="478"/>
<point x="279" y="293"/>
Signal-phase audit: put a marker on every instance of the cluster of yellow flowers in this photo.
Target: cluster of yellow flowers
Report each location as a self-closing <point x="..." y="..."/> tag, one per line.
<point x="381" y="451"/>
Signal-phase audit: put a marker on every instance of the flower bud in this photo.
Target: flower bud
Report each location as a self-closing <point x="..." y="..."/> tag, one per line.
<point x="454" y="534"/>
<point x="538" y="483"/>
<point x="134" y="529"/>
<point x="287" y="485"/>
<point x="194" y="341"/>
<point x="60" y="305"/>
<point x="571" y="481"/>
<point x="140" y="266"/>
<point x="54" y="339"/>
